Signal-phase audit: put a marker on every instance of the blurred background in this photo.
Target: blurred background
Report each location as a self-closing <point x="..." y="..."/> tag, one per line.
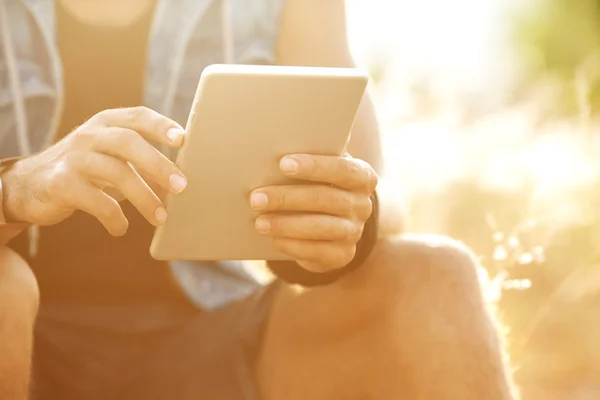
<point x="489" y="110"/>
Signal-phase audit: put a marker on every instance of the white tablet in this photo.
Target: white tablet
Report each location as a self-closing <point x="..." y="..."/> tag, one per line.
<point x="243" y="120"/>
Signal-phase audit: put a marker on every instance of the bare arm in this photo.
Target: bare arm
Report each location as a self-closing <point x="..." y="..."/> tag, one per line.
<point x="7" y="230"/>
<point x="314" y="33"/>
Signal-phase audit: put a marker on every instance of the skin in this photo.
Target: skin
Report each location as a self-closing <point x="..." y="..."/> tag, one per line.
<point x="414" y="313"/>
<point x="18" y="287"/>
<point x="108" y="149"/>
<point x="40" y="189"/>
<point x="107" y="13"/>
<point x="47" y="188"/>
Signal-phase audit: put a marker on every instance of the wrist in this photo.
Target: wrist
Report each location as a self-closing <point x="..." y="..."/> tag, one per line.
<point x="11" y="207"/>
<point x="8" y="229"/>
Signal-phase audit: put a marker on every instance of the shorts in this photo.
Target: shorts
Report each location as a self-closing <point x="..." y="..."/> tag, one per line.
<point x="209" y="356"/>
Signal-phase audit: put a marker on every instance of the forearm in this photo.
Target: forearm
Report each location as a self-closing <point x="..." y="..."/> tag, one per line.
<point x="365" y="142"/>
<point x="366" y="145"/>
<point x="392" y="213"/>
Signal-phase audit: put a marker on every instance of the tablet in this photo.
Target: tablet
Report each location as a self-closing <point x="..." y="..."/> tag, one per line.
<point x="243" y="120"/>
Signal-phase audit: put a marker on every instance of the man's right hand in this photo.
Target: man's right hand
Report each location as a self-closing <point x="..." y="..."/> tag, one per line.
<point x="106" y="152"/>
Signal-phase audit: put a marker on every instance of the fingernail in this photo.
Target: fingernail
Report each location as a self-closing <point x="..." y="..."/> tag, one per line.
<point x="263" y="225"/>
<point x="174" y="134"/>
<point x="288" y="165"/>
<point x="177" y="182"/>
<point x="258" y="200"/>
<point x="353" y="168"/>
<point x="160" y="215"/>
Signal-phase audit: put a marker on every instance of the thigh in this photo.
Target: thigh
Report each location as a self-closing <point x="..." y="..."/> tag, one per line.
<point x="18" y="308"/>
<point x="210" y="357"/>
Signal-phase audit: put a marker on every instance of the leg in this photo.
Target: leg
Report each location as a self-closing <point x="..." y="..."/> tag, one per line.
<point x="19" y="298"/>
<point x="412" y="324"/>
<point x="208" y="357"/>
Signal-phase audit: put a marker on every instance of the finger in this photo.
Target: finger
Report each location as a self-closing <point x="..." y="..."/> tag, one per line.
<point x="307" y="227"/>
<point x="152" y="125"/>
<point x="83" y="195"/>
<point x="344" y="172"/>
<point x="311" y="198"/>
<point x="316" y="256"/>
<point x="160" y="191"/>
<point x="105" y="170"/>
<point x="114" y="193"/>
<point x="129" y="146"/>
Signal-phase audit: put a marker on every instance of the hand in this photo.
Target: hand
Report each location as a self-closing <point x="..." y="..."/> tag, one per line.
<point x="328" y="217"/>
<point x="104" y="153"/>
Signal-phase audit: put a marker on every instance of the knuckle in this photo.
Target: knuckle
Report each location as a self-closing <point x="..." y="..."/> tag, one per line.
<point x="103" y="115"/>
<point x="372" y="180"/>
<point x="311" y="165"/>
<point x="59" y="178"/>
<point x="351" y="165"/>
<point x="96" y="119"/>
<point x="313" y="225"/>
<point x="125" y="138"/>
<point x="356" y="233"/>
<point x="342" y="229"/>
<point x="347" y="254"/>
<point x="365" y="209"/>
<point x="347" y="202"/>
<point x="282" y="226"/>
<point x="83" y="135"/>
<point x="115" y="170"/>
<point x="110" y="211"/>
<point x="80" y="159"/>
<point x="315" y="195"/>
<point x="136" y="113"/>
<point x="279" y="196"/>
<point x="161" y="167"/>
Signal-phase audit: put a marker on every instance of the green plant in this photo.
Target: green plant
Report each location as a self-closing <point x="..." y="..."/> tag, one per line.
<point x="558" y="43"/>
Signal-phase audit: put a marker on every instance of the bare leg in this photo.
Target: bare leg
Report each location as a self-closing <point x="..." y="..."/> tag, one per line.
<point x="19" y="298"/>
<point x="412" y="325"/>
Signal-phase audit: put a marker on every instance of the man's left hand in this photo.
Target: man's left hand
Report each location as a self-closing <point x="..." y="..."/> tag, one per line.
<point x="318" y="224"/>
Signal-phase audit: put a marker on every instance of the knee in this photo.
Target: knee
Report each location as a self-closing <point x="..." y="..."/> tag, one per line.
<point x="406" y="280"/>
<point x="430" y="267"/>
<point x="430" y="259"/>
<point x="19" y="292"/>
